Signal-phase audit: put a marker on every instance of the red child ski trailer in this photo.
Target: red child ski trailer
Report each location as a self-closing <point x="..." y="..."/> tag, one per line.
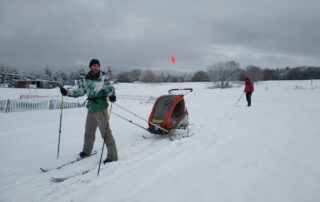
<point x="169" y="112"/>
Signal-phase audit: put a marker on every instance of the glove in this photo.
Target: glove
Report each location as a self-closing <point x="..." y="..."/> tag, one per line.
<point x="112" y="98"/>
<point x="63" y="91"/>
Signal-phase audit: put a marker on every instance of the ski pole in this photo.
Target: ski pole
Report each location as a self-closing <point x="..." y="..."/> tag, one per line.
<point x="104" y="139"/>
<point x="130" y="121"/>
<point x="61" y="107"/>
<point x="143" y="118"/>
<point x="131" y="112"/>
<point x="239" y="98"/>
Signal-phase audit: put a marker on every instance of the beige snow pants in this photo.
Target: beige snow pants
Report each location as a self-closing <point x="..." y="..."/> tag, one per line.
<point x="94" y="120"/>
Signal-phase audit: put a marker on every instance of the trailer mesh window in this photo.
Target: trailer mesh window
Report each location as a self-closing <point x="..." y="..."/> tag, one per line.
<point x="162" y="108"/>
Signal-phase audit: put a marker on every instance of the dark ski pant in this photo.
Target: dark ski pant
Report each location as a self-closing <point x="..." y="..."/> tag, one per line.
<point x="94" y="120"/>
<point x="248" y="95"/>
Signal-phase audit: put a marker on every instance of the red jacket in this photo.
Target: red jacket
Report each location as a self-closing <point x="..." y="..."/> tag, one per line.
<point x="249" y="86"/>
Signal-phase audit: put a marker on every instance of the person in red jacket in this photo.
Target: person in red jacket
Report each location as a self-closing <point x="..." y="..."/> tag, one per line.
<point x="248" y="89"/>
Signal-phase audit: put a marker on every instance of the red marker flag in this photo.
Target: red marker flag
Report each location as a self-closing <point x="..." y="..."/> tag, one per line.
<point x="172" y="59"/>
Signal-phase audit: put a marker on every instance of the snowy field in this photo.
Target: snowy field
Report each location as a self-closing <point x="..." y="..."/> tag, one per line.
<point x="268" y="152"/>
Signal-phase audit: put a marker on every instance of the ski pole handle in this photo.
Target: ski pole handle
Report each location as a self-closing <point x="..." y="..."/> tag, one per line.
<point x="177" y="89"/>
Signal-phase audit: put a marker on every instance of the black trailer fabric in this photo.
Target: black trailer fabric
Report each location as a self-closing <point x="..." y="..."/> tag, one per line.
<point x="162" y="108"/>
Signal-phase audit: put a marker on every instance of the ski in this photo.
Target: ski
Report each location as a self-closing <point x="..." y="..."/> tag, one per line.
<point x="68" y="163"/>
<point x="61" y="179"/>
<point x="178" y="135"/>
<point x="156" y="136"/>
<point x="175" y="134"/>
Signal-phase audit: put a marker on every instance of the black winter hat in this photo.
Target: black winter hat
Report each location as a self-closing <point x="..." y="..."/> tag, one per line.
<point x="93" y="62"/>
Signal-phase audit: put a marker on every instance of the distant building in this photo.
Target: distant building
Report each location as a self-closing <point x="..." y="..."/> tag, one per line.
<point x="35" y="84"/>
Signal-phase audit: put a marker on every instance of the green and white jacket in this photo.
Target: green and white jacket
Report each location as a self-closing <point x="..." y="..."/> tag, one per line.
<point x="97" y="88"/>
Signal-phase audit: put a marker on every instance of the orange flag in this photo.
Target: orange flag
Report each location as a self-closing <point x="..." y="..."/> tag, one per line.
<point x="172" y="59"/>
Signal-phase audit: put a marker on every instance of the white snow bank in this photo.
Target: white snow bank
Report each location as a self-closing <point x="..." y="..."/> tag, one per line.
<point x="268" y="152"/>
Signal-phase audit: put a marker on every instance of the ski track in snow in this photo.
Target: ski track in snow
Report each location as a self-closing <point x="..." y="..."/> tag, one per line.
<point x="233" y="153"/>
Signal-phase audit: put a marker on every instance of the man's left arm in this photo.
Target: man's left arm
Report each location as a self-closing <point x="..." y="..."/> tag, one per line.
<point x="109" y="90"/>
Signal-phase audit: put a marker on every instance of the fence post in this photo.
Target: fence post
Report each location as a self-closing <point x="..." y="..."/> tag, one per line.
<point x="7" y="105"/>
<point x="49" y="104"/>
<point x="4" y="108"/>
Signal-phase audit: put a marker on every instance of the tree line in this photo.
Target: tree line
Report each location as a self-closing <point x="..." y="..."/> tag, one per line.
<point x="221" y="73"/>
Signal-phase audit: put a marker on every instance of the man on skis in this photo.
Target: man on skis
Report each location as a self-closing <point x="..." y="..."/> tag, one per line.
<point x="98" y="88"/>
<point x="248" y="89"/>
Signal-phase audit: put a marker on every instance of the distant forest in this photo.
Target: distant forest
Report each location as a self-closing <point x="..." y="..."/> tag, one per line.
<point x="222" y="72"/>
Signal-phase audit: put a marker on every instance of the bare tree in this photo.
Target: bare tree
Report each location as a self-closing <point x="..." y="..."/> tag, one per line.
<point x="134" y="75"/>
<point x="200" y="76"/>
<point x="161" y="78"/>
<point x="254" y="72"/>
<point x="270" y="74"/>
<point x="147" y="76"/>
<point x="109" y="73"/>
<point x="123" y="77"/>
<point x="174" y="79"/>
<point x="222" y="73"/>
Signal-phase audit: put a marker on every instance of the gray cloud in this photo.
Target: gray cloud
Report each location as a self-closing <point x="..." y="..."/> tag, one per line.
<point x="144" y="33"/>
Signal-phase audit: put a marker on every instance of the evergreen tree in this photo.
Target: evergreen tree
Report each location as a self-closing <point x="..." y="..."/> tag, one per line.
<point x="46" y="74"/>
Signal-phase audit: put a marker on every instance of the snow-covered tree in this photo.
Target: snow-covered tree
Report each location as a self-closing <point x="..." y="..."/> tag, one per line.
<point x="61" y="77"/>
<point x="123" y="77"/>
<point x="222" y="73"/>
<point x="109" y="72"/>
<point x="134" y="75"/>
<point x="147" y="76"/>
<point x="47" y="74"/>
<point x="8" y="75"/>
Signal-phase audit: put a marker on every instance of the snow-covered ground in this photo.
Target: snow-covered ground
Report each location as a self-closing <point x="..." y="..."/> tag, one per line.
<point x="268" y="152"/>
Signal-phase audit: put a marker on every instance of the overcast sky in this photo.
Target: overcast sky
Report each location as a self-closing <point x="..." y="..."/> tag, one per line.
<point x="129" y="34"/>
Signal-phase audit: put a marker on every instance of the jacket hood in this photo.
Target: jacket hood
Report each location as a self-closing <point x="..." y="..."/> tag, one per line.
<point x="248" y="79"/>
